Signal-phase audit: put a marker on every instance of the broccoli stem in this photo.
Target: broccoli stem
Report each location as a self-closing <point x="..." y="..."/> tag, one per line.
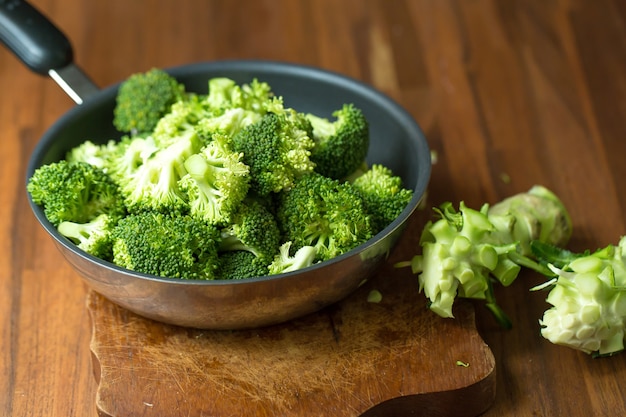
<point x="465" y="251"/>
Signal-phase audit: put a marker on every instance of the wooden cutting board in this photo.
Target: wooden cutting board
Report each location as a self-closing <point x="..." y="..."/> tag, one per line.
<point x="356" y="358"/>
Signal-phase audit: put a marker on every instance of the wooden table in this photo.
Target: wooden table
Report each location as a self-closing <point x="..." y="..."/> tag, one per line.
<point x="509" y="93"/>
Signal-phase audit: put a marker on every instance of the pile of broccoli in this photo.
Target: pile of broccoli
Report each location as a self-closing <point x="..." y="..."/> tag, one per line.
<point x="230" y="184"/>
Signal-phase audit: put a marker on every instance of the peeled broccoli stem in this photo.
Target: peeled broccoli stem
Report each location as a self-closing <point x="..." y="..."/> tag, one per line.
<point x="587" y="292"/>
<point x="466" y="251"/>
<point x="539" y="215"/>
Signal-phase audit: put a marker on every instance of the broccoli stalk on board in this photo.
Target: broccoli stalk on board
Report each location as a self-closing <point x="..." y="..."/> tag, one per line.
<point x="539" y="215"/>
<point x="588" y="297"/>
<point x="465" y="251"/>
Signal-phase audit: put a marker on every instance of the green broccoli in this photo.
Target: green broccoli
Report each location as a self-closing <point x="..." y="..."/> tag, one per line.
<point x="587" y="292"/>
<point x="144" y="98"/>
<point x="171" y="246"/>
<point x="211" y="169"/>
<point x="340" y="145"/>
<point x="94" y="237"/>
<point x="181" y="120"/>
<point x="92" y="153"/>
<point x="463" y="251"/>
<point x="156" y="183"/>
<point x="253" y="228"/>
<point x="284" y="261"/>
<point x="122" y="161"/>
<point x="277" y="151"/>
<point x="76" y="192"/>
<point x="383" y="194"/>
<point x="225" y="94"/>
<point x="324" y="213"/>
<point x="216" y="182"/>
<point x="240" y="264"/>
<point x="229" y="123"/>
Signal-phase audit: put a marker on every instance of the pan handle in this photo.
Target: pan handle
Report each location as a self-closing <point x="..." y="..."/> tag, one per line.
<point x="42" y="47"/>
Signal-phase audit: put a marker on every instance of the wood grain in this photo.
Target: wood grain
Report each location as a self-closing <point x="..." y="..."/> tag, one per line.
<point x="509" y="92"/>
<point x="392" y="358"/>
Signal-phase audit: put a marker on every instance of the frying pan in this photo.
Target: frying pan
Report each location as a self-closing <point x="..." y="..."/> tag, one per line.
<point x="396" y="141"/>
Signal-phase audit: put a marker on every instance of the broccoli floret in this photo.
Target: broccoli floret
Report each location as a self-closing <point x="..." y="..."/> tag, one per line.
<point x="286" y="262"/>
<point x="587" y="292"/>
<point x="156" y="183"/>
<point x="94" y="237"/>
<point x="341" y="145"/>
<point x="259" y="97"/>
<point x="216" y="182"/>
<point x="144" y="98"/>
<point x="224" y="93"/>
<point x="181" y="120"/>
<point x="76" y="192"/>
<point x="240" y="264"/>
<point x="171" y="246"/>
<point x="276" y="150"/>
<point x="254" y="229"/>
<point x="92" y="153"/>
<point x="229" y="123"/>
<point x="324" y="213"/>
<point x="383" y="194"/>
<point x="233" y="107"/>
<point x="256" y="96"/>
<point x="124" y="159"/>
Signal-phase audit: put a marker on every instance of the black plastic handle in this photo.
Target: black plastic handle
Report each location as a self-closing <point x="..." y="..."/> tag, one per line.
<point x="34" y="39"/>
